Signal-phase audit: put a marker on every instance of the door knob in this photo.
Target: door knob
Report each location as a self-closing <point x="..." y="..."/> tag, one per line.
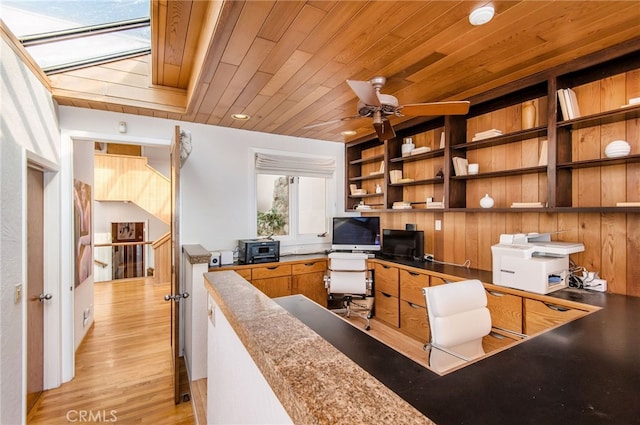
<point x="44" y="297"/>
<point x="176" y="297"/>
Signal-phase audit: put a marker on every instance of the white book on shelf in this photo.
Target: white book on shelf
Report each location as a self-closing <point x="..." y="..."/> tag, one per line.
<point x="563" y="104"/>
<point x="574" y="109"/>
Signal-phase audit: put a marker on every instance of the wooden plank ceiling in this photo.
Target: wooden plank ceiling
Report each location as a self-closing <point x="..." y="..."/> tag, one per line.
<point x="285" y="63"/>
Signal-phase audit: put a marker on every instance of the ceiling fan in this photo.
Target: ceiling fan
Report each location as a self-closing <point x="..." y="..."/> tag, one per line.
<point x="379" y="106"/>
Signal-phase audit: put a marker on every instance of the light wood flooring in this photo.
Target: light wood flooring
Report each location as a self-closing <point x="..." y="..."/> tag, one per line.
<point x="123" y="365"/>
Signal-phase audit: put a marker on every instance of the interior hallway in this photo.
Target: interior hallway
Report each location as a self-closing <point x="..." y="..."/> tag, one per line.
<point x="123" y="366"/>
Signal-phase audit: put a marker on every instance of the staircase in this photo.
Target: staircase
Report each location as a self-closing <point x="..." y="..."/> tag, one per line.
<point x="127" y="178"/>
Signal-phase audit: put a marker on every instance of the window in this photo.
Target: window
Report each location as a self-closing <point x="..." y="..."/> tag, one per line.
<point x="64" y="35"/>
<point x="292" y="197"/>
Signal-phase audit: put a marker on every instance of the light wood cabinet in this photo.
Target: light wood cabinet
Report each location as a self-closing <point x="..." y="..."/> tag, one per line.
<point x="411" y="284"/>
<point x="414" y="321"/>
<point x="540" y="315"/>
<point x="308" y="280"/>
<point x="245" y="273"/>
<point x="270" y="271"/>
<point x="387" y="308"/>
<point x="274" y="287"/>
<point x="386" y="294"/>
<point x="505" y="309"/>
<point x="386" y="279"/>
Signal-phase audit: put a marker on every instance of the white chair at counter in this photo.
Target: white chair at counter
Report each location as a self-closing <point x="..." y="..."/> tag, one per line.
<point x="459" y="319"/>
<point x="348" y="279"/>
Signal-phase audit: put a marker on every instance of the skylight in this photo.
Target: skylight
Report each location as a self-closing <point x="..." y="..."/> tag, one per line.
<point x="68" y="34"/>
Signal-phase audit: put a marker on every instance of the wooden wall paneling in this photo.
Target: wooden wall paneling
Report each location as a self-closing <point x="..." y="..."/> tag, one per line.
<point x="568" y="232"/>
<point x="614" y="252"/>
<point x="472" y="229"/>
<point x="459" y="236"/>
<point x="439" y="237"/>
<point x="633" y="252"/>
<point x="586" y="186"/>
<point x="530" y="222"/>
<point x="589" y="233"/>
<point x="448" y="237"/>
<point x="548" y="223"/>
<point x="486" y="238"/>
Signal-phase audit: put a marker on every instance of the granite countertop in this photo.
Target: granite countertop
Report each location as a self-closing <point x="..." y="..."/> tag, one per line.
<point x="315" y="382"/>
<point x="196" y="254"/>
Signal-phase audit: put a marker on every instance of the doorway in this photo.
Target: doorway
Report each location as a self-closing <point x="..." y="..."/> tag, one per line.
<point x="36" y="298"/>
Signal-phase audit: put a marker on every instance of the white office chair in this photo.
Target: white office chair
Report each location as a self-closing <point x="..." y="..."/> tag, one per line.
<point x="459" y="319"/>
<point x="348" y="279"/>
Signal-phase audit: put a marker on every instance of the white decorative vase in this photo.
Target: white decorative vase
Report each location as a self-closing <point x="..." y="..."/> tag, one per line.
<point x="486" y="201"/>
<point x="528" y="115"/>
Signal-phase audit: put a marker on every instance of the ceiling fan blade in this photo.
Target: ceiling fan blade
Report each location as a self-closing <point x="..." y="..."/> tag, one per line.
<point x="384" y="129"/>
<point x="365" y="92"/>
<point x="435" y="109"/>
<point x="331" y="122"/>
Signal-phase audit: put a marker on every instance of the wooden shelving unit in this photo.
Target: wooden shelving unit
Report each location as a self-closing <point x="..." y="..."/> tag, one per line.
<point x="511" y="166"/>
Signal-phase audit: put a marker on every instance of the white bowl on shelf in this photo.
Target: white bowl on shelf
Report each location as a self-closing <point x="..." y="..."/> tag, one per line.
<point x="617" y="148"/>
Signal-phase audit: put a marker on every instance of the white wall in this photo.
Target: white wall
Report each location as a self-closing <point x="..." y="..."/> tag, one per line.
<point x="83" y="297"/>
<point x="29" y="130"/>
<point x="217" y="180"/>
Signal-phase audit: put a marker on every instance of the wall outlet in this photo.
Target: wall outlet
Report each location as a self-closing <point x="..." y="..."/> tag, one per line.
<point x="438" y="224"/>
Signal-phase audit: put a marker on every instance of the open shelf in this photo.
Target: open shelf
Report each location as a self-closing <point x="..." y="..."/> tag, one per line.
<point x="503" y="139"/>
<point x="601" y="162"/>
<point x="514" y="172"/>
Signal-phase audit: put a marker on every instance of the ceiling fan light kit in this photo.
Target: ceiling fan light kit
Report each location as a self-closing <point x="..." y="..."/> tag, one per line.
<point x="481" y="15"/>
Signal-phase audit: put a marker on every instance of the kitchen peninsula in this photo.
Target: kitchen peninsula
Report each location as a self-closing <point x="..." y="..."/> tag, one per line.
<point x="324" y="370"/>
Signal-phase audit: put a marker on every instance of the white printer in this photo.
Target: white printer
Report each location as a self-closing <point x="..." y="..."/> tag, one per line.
<point x="531" y="262"/>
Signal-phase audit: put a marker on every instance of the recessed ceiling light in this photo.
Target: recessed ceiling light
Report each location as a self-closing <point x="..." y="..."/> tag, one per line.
<point x="349" y="133"/>
<point x="481" y="15"/>
<point x="240" y="117"/>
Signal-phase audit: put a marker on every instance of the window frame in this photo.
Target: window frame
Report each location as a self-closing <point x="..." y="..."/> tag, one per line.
<point x="296" y="239"/>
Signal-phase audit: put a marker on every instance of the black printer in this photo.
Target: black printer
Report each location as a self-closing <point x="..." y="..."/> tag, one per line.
<point x="252" y="251"/>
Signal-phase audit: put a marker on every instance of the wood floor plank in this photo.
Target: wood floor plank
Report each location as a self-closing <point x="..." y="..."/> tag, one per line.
<point x="123" y="365"/>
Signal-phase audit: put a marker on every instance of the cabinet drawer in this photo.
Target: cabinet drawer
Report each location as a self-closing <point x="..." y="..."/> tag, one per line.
<point x="386" y="279"/>
<point x="387" y="309"/>
<point x="506" y="310"/>
<point x="413" y="321"/>
<point x="309" y="267"/>
<point x="271" y="271"/>
<point x="411" y="284"/>
<point x="540" y="316"/>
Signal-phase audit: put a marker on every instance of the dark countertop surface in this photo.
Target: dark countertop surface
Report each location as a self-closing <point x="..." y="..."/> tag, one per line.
<point x="584" y="372"/>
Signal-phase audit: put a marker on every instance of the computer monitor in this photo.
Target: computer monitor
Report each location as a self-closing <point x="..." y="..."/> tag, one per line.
<point x="356" y="234"/>
<point x="403" y="244"/>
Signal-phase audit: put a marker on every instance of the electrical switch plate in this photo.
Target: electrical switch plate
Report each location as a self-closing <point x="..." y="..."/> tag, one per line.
<point x="438" y="224"/>
<point x="17" y="296"/>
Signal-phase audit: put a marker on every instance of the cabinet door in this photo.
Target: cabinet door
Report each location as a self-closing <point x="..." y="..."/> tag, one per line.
<point x="540" y="316"/>
<point x="506" y="310"/>
<point x="411" y="284"/>
<point x="274" y="287"/>
<point x="386" y="279"/>
<point x="311" y="285"/>
<point x="387" y="309"/>
<point x="245" y="273"/>
<point x="413" y="321"/>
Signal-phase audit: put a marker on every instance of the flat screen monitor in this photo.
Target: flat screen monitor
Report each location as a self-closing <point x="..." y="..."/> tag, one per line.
<point x="356" y="233"/>
<point x="403" y="244"/>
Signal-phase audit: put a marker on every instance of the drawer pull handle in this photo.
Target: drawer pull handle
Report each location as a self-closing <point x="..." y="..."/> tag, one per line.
<point x="556" y="307"/>
<point x="272" y="268"/>
<point x="386" y="295"/>
<point x="412" y="305"/>
<point x="386" y="267"/>
<point x="414" y="274"/>
<point x="496" y="293"/>
<point x="309" y="264"/>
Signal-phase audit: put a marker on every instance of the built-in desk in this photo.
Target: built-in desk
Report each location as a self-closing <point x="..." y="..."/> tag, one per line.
<point x="586" y="371"/>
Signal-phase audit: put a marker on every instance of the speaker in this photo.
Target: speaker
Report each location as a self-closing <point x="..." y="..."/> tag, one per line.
<point x="410" y="226"/>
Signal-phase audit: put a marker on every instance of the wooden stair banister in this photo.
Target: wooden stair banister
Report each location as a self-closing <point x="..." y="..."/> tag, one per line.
<point x="162" y="258"/>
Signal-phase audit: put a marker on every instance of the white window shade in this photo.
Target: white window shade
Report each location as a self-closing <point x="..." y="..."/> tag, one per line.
<point x="295" y="165"/>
